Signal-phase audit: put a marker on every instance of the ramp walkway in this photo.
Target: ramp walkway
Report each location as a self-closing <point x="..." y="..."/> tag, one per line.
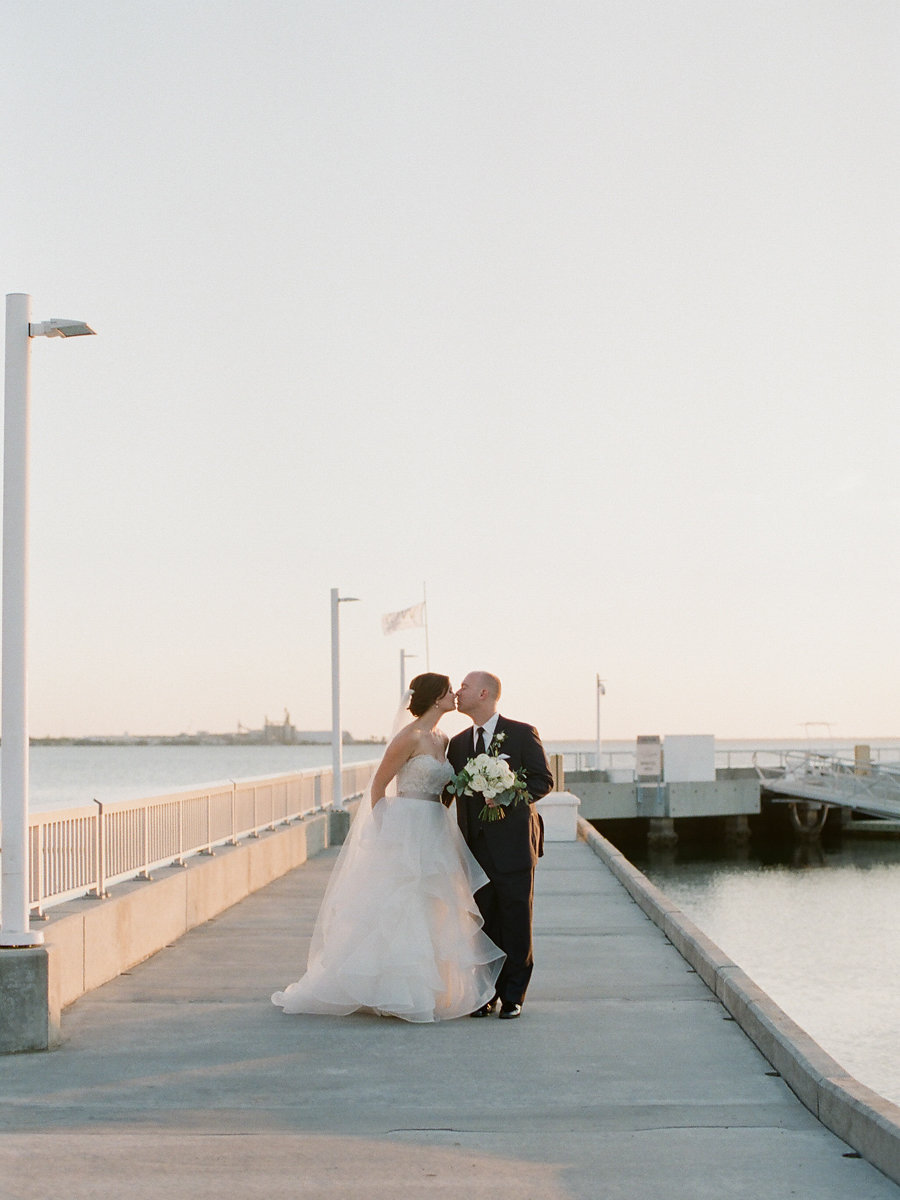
<point x="625" y="1079"/>
<point x="826" y="780"/>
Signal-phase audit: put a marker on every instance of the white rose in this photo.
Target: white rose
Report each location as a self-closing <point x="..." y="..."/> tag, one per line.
<point x="505" y="776"/>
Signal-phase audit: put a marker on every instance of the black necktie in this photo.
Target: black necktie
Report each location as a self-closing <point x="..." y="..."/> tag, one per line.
<point x="479" y="741"/>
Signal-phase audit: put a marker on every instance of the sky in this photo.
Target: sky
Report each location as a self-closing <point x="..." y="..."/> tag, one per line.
<point x="580" y="315"/>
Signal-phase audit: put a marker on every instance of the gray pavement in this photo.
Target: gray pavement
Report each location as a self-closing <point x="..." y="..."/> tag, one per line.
<point x="624" y="1078"/>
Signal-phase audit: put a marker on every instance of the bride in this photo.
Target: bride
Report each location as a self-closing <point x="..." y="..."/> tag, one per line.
<point x="399" y="932"/>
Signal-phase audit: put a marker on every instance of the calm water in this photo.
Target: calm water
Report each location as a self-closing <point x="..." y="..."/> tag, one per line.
<point x="72" y="776"/>
<point x="819" y="932"/>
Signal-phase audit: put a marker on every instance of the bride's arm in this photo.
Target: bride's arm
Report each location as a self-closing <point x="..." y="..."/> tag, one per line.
<point x="395" y="756"/>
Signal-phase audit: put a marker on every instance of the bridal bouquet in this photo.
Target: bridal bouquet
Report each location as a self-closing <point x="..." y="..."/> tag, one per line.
<point x="492" y="778"/>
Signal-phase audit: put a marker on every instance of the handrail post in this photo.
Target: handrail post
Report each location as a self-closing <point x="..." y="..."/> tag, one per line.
<point x="100" y="850"/>
<point x="179" y="861"/>
<point x="38" y="830"/>
<point x="145" y="838"/>
<point x="208" y="824"/>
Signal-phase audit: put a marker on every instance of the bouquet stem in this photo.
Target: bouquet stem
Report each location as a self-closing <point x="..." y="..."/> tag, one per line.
<point x="492" y="813"/>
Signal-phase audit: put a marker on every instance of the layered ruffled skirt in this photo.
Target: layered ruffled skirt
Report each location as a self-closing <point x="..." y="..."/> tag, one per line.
<point x="399" y="931"/>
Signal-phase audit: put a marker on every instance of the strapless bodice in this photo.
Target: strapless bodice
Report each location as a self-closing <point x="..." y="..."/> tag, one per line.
<point x="422" y="775"/>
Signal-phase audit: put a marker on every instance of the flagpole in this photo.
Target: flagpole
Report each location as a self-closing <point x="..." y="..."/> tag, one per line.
<point x="425" y="614"/>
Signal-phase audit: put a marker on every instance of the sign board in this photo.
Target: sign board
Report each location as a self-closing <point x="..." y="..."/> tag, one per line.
<point x="648" y="757"/>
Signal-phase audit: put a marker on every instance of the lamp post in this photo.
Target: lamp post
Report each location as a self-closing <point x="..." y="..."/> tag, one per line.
<point x="404" y="655"/>
<point x="14" y="873"/>
<point x="601" y="691"/>
<point x="337" y="764"/>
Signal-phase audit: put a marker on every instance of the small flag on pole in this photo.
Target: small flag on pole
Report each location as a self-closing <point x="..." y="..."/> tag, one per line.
<point x="406" y="618"/>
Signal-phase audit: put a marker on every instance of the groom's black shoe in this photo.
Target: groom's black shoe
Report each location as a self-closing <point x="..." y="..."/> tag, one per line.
<point x="509" y="1012"/>
<point x="486" y="1009"/>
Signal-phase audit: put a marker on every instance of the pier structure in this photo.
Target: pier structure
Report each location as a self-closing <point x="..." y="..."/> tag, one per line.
<point x="673" y="777"/>
<point x="628" y="1076"/>
<point x="646" y="1062"/>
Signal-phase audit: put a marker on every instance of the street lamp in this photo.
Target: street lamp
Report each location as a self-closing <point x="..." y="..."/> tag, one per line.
<point x="403" y="657"/>
<point x="337" y="797"/>
<point x="601" y="691"/>
<point x="14" y="874"/>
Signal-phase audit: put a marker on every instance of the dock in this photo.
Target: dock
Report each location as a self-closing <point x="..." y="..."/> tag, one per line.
<point x="625" y="1077"/>
<point x="825" y="780"/>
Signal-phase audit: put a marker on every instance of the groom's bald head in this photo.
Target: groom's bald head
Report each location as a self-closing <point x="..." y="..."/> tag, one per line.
<point x="478" y="695"/>
<point x="487" y="683"/>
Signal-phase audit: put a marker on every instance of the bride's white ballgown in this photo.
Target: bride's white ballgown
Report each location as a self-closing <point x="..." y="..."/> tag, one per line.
<point x="399" y="931"/>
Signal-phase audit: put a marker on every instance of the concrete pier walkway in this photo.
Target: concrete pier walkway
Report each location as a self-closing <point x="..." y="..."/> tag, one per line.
<point x="623" y="1080"/>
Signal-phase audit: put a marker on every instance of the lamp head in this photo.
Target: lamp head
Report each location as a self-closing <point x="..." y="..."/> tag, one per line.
<point x="59" y="327"/>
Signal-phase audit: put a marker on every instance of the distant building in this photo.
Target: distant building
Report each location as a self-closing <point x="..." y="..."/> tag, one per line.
<point x="284" y="733"/>
<point x="273" y="733"/>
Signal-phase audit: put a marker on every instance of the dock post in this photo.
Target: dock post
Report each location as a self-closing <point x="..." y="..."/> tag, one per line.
<point x="737" y="829"/>
<point x="662" y="832"/>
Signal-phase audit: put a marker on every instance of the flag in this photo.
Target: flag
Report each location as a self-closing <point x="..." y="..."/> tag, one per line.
<point x="600" y="688"/>
<point x="406" y="618"/>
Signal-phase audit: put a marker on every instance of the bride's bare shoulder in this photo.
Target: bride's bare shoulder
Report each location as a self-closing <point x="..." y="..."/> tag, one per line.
<point x="407" y="740"/>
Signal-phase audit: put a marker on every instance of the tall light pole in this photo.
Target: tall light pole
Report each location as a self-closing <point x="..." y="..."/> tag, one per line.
<point x="337" y="797"/>
<point x="601" y="691"/>
<point x="403" y="657"/>
<point x="14" y="873"/>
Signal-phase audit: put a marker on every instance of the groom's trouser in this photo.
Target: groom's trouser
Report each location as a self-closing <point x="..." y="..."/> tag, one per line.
<point x="506" y="904"/>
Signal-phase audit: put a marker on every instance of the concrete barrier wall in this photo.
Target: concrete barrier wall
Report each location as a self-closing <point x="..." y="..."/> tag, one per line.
<point x="723" y="798"/>
<point x="859" y="1116"/>
<point x="91" y="941"/>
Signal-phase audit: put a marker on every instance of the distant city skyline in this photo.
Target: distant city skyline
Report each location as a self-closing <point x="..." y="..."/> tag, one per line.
<point x="584" y="315"/>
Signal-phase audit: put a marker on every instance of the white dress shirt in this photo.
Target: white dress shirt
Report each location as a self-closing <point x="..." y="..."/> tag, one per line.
<point x="489" y="727"/>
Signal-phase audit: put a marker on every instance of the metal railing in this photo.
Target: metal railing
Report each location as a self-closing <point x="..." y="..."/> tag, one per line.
<point x="84" y="851"/>
<point x="586" y="760"/>
<point x="872" y="788"/>
<point x="623" y="760"/>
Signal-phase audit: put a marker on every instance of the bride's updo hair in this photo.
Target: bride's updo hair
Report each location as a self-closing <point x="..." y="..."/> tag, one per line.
<point x="426" y="689"/>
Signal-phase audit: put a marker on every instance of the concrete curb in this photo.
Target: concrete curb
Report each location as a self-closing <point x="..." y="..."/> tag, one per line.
<point x="859" y="1116"/>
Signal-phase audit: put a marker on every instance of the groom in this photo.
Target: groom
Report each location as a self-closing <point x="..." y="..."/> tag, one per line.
<point x="507" y="850"/>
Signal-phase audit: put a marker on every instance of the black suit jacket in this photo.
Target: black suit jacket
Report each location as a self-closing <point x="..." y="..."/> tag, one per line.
<point x="516" y="842"/>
